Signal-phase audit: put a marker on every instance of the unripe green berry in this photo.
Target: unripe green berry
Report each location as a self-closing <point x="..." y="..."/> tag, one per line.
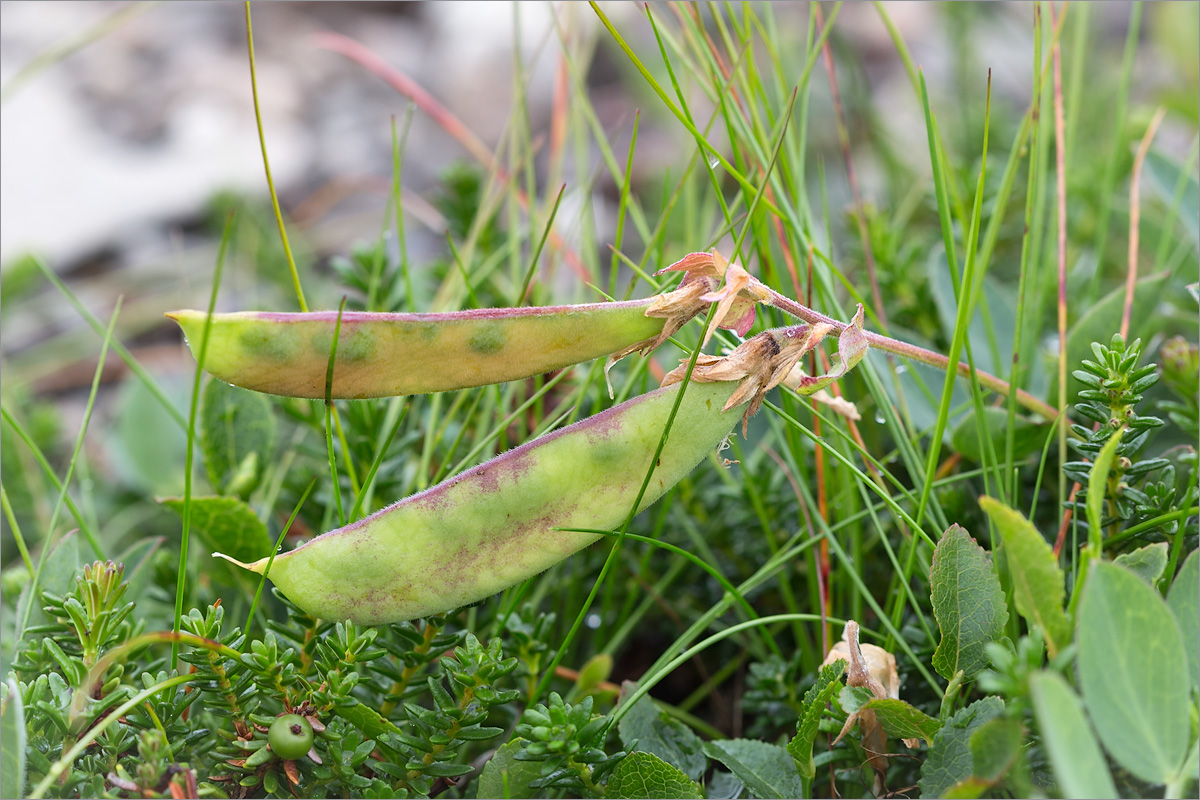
<point x="290" y="737"/>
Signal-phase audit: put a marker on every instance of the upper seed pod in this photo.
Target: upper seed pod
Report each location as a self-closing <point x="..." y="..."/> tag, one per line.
<point x="383" y="355"/>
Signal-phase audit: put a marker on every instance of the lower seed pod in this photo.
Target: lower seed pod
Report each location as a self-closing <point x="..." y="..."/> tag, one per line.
<point x="493" y="526"/>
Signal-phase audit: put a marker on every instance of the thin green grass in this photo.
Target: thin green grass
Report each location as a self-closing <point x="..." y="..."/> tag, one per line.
<point x="262" y="140"/>
<point x="193" y="410"/>
<point x="26" y="609"/>
<point x="818" y="519"/>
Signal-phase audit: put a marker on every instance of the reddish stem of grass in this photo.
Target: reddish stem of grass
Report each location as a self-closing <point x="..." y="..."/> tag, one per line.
<point x="1130" y="281"/>
<point x="1135" y="203"/>
<point x="1061" y="193"/>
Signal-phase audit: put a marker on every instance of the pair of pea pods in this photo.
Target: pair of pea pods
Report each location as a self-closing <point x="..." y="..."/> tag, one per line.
<point x="493" y="526"/>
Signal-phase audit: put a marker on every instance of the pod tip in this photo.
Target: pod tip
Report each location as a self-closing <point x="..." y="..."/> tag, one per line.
<point x="185" y="315"/>
<point x="252" y="567"/>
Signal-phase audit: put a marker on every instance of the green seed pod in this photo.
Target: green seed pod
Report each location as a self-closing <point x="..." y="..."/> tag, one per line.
<point x="493" y="526"/>
<point x="290" y="736"/>
<point x="383" y="355"/>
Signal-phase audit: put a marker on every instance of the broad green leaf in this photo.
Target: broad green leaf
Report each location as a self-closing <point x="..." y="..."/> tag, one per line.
<point x="647" y="729"/>
<point x="815" y="700"/>
<point x="381" y="355"/>
<point x="1148" y="562"/>
<point x="503" y="776"/>
<point x="237" y="432"/>
<point x="1037" y="579"/>
<point x="642" y="774"/>
<point x="12" y="741"/>
<point x="968" y="603"/>
<point x="1164" y="177"/>
<point x="1184" y="600"/>
<point x="1079" y="765"/>
<point x="57" y="576"/>
<point x="139" y="574"/>
<point x="995" y="747"/>
<point x="967" y="789"/>
<point x="1101" y="319"/>
<point x="17" y="466"/>
<point x="723" y="786"/>
<point x="853" y="699"/>
<point x="226" y="525"/>
<point x="950" y="761"/>
<point x="901" y="720"/>
<point x="1000" y="311"/>
<point x="1098" y="483"/>
<point x="597" y="670"/>
<point x="146" y="444"/>
<point x="766" y="769"/>
<point x="1028" y="435"/>
<point x="1133" y="672"/>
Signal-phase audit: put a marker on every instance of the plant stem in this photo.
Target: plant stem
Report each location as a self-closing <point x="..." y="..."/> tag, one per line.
<point x="262" y="140"/>
<point x="890" y="345"/>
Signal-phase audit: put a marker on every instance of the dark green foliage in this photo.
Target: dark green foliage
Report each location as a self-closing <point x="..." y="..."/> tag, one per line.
<point x="1138" y="488"/>
<point x="232" y="728"/>
<point x="568" y="740"/>
<point x="815" y="524"/>
<point x="773" y="694"/>
<point x="374" y="278"/>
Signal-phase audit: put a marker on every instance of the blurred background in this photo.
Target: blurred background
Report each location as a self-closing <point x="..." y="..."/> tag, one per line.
<point x="128" y="132"/>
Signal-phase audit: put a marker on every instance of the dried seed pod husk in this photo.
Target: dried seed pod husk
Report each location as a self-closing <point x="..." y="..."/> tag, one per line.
<point x="873" y="668"/>
<point x="383" y="355"/>
<point x="760" y="364"/>
<point x="493" y="526"/>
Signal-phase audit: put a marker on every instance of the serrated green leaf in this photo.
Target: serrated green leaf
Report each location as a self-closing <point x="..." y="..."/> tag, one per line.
<point x="1184" y="600"/>
<point x="503" y="776"/>
<point x="950" y="761"/>
<point x="1037" y="579"/>
<point x="237" y="433"/>
<point x="766" y="769"/>
<point x="668" y="738"/>
<point x="1028" y="435"/>
<point x="815" y="699"/>
<point x="1148" y="562"/>
<point x="226" y="525"/>
<point x="1133" y="672"/>
<point x="642" y="774"/>
<point x="12" y="742"/>
<point x="1079" y="765"/>
<point x="900" y="720"/>
<point x="968" y="603"/>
